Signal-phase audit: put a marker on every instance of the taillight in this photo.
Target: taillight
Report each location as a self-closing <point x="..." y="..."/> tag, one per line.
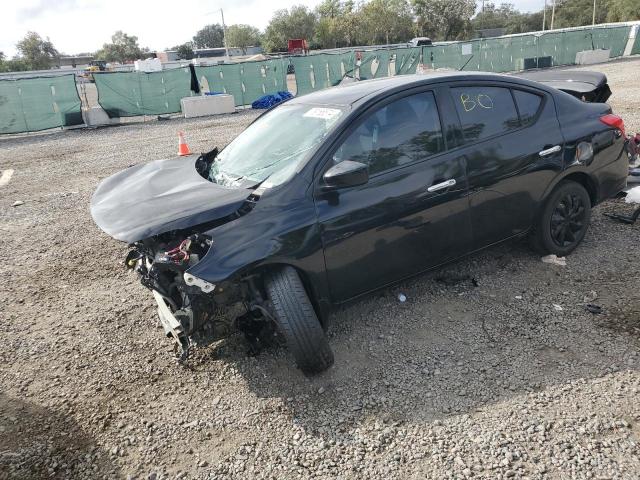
<point x="613" y="121"/>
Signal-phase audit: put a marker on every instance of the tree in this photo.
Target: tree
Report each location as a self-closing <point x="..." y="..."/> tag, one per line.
<point x="387" y="21"/>
<point x="525" y="22"/>
<point x="623" y="11"/>
<point x="298" y="22"/>
<point x="242" y="36"/>
<point x="329" y="9"/>
<point x="36" y="53"/>
<point x="185" y="51"/>
<point x="339" y="24"/>
<point x="327" y="33"/>
<point x="211" y="36"/>
<point x="444" y="19"/>
<point x="122" y="48"/>
<point x="494" y="17"/>
<point x="576" y="13"/>
<point x="349" y="23"/>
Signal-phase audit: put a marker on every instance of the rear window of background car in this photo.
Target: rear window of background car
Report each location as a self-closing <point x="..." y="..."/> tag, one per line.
<point x="528" y="105"/>
<point x="402" y="132"/>
<point x="485" y="111"/>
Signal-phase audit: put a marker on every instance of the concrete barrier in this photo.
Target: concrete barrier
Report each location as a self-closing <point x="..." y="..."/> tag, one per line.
<point x="589" y="57"/>
<point x="205" y="105"/>
<point x="96" y="116"/>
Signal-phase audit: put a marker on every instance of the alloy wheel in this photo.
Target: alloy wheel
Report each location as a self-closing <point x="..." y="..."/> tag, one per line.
<point x="568" y="220"/>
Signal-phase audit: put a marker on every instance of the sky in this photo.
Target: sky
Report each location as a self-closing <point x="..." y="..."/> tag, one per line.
<point x="76" y="26"/>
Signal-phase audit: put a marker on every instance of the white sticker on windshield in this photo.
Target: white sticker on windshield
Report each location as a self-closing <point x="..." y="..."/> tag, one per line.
<point x="322" y="112"/>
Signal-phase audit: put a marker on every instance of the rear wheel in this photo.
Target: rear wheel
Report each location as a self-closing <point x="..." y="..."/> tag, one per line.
<point x="297" y="321"/>
<point x="564" y="220"/>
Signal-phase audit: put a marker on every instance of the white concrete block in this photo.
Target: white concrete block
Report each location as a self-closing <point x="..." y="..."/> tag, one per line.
<point x="588" y="57"/>
<point x="205" y="105"/>
<point x="96" y="116"/>
<point x="148" y="65"/>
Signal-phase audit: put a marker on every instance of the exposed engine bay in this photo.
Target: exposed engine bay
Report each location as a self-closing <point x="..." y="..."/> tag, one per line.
<point x="192" y="311"/>
<point x="184" y="310"/>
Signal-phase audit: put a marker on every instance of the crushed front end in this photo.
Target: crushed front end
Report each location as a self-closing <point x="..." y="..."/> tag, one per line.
<point x="187" y="306"/>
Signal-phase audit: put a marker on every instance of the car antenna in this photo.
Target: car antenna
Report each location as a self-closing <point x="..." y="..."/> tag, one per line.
<point x="465" y="63"/>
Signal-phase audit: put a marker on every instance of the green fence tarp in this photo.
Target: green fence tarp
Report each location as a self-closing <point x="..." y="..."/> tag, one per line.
<point x="505" y="54"/>
<point x="246" y="81"/>
<point x="501" y="54"/>
<point x="524" y="46"/>
<point x="406" y="59"/>
<point x="262" y="78"/>
<point x="443" y="56"/>
<point x="128" y="94"/>
<point x="374" y="64"/>
<point x="225" y="78"/>
<point x="635" y="50"/>
<point x="315" y="72"/>
<point x="613" y="38"/>
<point x="34" y="104"/>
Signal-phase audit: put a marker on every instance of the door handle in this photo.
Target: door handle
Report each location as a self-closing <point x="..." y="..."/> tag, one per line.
<point x="549" y="151"/>
<point x="439" y="186"/>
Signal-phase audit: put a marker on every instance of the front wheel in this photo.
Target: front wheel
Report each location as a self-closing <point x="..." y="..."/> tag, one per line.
<point x="297" y="321"/>
<point x="564" y="220"/>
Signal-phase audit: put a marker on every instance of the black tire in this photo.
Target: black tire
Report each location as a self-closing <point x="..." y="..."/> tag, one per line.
<point x="297" y="321"/>
<point x="563" y="221"/>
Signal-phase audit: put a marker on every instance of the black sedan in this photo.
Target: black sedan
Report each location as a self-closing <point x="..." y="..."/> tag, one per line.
<point x="332" y="195"/>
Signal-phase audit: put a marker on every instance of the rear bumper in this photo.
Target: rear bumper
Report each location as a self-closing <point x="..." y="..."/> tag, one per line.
<point x="612" y="177"/>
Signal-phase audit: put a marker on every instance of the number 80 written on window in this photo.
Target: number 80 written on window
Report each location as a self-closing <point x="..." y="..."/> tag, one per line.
<point x="481" y="100"/>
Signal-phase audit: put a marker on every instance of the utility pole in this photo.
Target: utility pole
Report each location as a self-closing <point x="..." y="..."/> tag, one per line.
<point x="224" y="36"/>
<point x="544" y="15"/>
<point x="593" y="21"/>
<point x="553" y="12"/>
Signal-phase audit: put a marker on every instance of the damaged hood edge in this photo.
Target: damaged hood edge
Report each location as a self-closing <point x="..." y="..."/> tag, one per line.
<point x="160" y="196"/>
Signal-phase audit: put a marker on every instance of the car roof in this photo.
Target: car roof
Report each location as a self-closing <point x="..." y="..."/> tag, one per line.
<point x="352" y="93"/>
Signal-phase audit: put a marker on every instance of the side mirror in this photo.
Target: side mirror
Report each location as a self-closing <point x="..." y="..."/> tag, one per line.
<point x="346" y="174"/>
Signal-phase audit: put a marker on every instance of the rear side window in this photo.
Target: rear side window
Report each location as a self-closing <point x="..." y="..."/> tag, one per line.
<point x="404" y="131"/>
<point x="485" y="111"/>
<point x="528" y="106"/>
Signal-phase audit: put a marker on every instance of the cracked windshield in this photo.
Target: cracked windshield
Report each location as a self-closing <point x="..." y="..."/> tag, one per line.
<point x="274" y="146"/>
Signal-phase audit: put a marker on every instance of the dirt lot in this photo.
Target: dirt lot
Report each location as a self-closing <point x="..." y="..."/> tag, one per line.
<point x="512" y="378"/>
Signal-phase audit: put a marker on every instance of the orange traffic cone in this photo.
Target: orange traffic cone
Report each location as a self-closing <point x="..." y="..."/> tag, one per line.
<point x="183" y="148"/>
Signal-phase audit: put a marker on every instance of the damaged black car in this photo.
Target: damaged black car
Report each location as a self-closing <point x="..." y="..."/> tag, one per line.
<point x="338" y="193"/>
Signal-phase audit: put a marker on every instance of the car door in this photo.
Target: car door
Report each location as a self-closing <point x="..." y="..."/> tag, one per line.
<point x="412" y="213"/>
<point x="513" y="147"/>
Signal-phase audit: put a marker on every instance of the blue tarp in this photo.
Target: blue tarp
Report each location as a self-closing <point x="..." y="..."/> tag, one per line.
<point x="271" y="99"/>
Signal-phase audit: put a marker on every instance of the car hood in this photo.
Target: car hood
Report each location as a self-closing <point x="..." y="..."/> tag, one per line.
<point x="160" y="196"/>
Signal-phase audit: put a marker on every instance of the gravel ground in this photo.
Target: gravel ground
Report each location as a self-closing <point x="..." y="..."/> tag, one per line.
<point x="512" y="378"/>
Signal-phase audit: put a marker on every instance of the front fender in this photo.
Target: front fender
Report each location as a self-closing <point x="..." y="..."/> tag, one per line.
<point x="270" y="234"/>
